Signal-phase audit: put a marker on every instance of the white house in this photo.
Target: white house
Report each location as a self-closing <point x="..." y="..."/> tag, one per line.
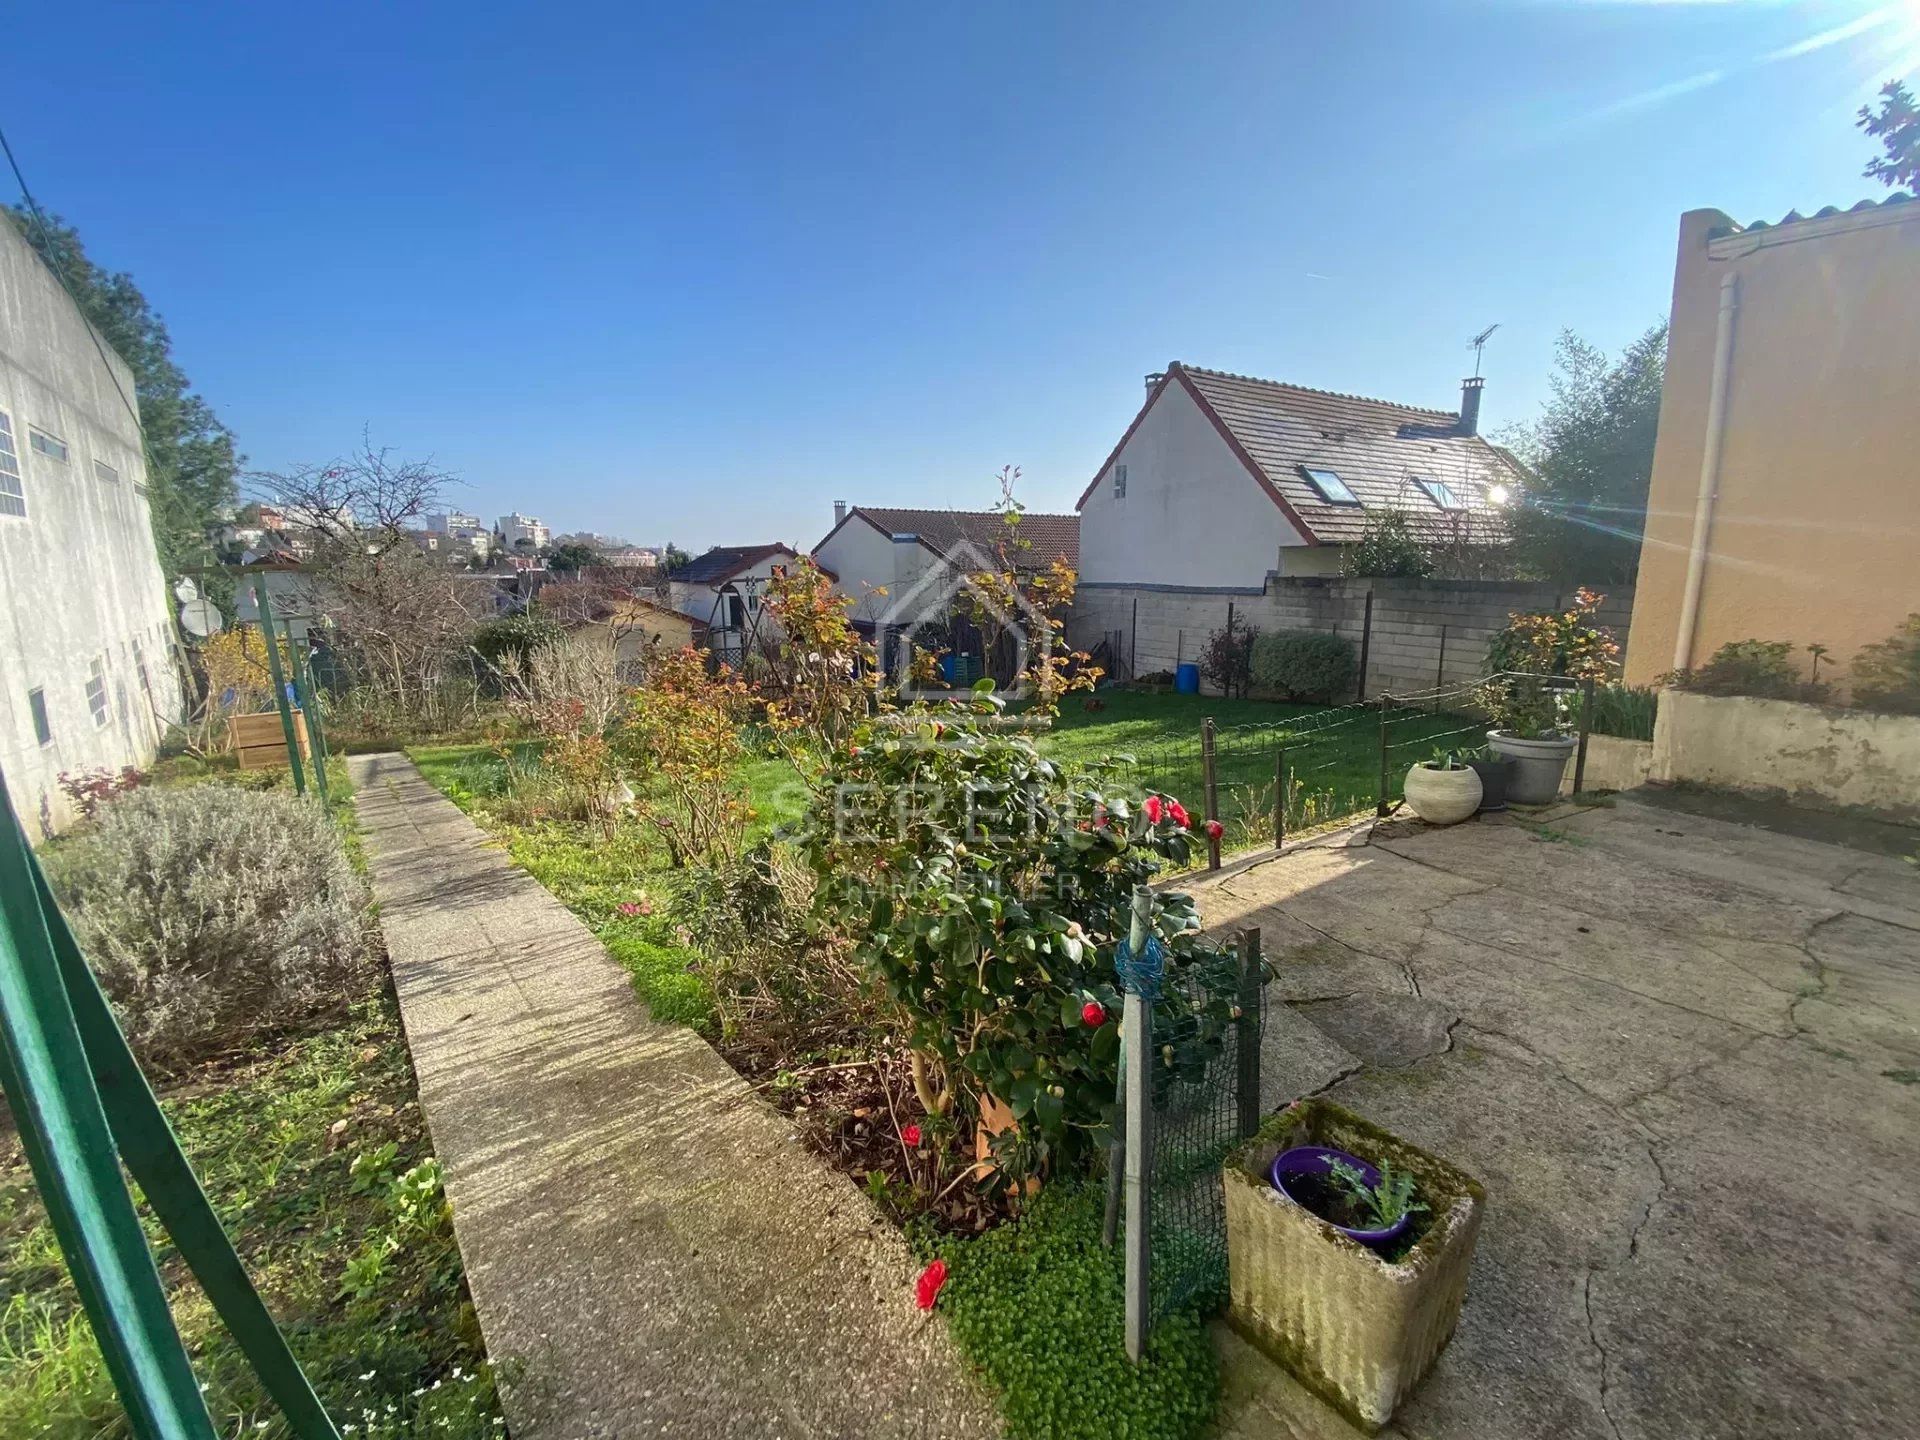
<point x="721" y="591"/>
<point x="880" y="557"/>
<point x="87" y="675"/>
<point x="1223" y="480"/>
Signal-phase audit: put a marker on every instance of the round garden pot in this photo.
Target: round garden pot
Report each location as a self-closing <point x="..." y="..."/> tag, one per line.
<point x="1442" y="797"/>
<point x="1300" y="1175"/>
<point x="1493" y="775"/>
<point x="1537" y="765"/>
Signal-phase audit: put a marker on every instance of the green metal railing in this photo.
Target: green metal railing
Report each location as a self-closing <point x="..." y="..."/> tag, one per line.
<point x="84" y="1109"/>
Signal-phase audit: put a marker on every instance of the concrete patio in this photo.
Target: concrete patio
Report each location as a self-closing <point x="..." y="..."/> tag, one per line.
<point x="1681" y="1052"/>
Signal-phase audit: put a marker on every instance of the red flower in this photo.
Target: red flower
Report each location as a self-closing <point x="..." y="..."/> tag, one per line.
<point x="1153" y="809"/>
<point x="910" y="1136"/>
<point x="1091" y="1013"/>
<point x="926" y="1289"/>
<point x="1178" y="812"/>
<point x="1215" y="829"/>
<point x="628" y="908"/>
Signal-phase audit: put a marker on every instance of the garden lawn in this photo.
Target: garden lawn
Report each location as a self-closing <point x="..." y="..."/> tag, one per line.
<point x="1333" y="753"/>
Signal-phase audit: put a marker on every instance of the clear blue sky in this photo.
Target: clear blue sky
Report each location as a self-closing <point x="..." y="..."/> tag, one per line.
<point x="694" y="273"/>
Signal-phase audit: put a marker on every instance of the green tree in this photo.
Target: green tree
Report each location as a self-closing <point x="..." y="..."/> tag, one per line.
<point x="673" y="558"/>
<point x="191" y="461"/>
<point x="1581" y="513"/>
<point x="572" y="556"/>
<point x="1896" y="125"/>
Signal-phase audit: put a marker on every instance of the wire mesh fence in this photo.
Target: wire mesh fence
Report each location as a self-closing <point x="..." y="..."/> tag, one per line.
<point x="1207" y="1026"/>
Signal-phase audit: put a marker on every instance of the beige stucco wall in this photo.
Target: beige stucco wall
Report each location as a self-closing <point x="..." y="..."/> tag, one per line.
<point x="1817" y="527"/>
<point x="1804" y="754"/>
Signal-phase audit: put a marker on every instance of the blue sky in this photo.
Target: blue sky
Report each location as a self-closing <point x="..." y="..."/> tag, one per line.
<point x="694" y="273"/>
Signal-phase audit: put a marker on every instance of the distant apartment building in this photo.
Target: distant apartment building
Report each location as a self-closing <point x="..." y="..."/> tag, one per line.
<point x="456" y="523"/>
<point x="516" y="528"/>
<point x="87" y="678"/>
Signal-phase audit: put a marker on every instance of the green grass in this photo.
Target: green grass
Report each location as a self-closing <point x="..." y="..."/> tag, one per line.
<point x="367" y="1288"/>
<point x="1333" y="754"/>
<point x="1038" y="1306"/>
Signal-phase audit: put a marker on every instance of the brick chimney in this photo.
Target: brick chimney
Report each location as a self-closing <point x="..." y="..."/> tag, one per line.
<point x="1470" y="389"/>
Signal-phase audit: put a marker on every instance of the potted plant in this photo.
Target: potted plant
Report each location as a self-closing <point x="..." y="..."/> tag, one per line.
<point x="1358" y="1312"/>
<point x="1493" y="768"/>
<point x="1533" y="669"/>
<point x="1443" y="790"/>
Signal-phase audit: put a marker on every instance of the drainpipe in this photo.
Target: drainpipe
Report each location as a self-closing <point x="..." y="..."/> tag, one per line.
<point x="1709" y="471"/>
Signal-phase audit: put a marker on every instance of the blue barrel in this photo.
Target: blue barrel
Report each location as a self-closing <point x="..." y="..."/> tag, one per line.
<point x="1186" y="680"/>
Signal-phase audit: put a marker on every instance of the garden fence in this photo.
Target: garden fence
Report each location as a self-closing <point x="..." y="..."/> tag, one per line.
<point x="1267" y="783"/>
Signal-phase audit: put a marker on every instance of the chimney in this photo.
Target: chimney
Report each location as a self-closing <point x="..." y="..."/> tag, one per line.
<point x="839" y="512"/>
<point x="1470" y="405"/>
<point x="1154" y="377"/>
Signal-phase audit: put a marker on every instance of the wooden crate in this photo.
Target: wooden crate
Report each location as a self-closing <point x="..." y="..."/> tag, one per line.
<point x="261" y="742"/>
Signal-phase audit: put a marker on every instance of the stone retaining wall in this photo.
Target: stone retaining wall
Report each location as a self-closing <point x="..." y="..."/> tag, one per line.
<point x="1425" y="633"/>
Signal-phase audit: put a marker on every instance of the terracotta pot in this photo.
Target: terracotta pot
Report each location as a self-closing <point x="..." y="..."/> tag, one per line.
<point x="1442" y="797"/>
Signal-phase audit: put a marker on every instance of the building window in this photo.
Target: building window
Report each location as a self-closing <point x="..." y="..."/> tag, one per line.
<point x="105" y="473"/>
<point x="13" y="494"/>
<point x="1332" y="488"/>
<point x="1119" y="482"/>
<point x="51" y="446"/>
<point x="37" y="703"/>
<point x="97" y="691"/>
<point x="1439" y="492"/>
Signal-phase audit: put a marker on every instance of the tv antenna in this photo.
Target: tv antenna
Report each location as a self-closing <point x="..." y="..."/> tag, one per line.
<point x="1479" y="343"/>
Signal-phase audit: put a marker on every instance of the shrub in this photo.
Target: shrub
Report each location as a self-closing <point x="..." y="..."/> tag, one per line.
<point x="1553" y="643"/>
<point x="1311" y="666"/>
<point x="1886" y="674"/>
<point x="1627" y="711"/>
<point x="988" y="891"/>
<point x="91" y="789"/>
<point x="680" y="740"/>
<point x="1759" y="668"/>
<point x="1387" y="548"/>
<point x="1227" y="660"/>
<point x="214" y="915"/>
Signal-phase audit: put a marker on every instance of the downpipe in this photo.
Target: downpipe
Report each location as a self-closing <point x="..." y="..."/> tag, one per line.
<point x="1709" y="472"/>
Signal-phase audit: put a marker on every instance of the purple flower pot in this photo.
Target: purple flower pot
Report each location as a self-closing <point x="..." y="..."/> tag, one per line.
<point x="1310" y="1164"/>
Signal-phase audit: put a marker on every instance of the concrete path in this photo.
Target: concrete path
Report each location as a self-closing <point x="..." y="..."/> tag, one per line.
<point x="1684" y="1057"/>
<point x="650" y="1250"/>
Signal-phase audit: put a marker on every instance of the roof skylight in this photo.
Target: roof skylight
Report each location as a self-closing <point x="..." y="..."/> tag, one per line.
<point x="1332" y="488"/>
<point x="1440" y="493"/>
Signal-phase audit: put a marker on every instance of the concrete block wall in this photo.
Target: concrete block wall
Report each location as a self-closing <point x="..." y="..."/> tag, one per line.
<point x="1425" y="633"/>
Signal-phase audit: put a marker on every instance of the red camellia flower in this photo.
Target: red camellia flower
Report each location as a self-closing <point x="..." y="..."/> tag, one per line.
<point x="926" y="1289"/>
<point x="1091" y="1013"/>
<point x="1178" y="812"/>
<point x="1153" y="809"/>
<point x="1215" y="829"/>
<point x="910" y="1136"/>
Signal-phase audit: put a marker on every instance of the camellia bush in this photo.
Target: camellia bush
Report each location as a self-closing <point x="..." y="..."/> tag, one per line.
<point x="989" y="891"/>
<point x="1568" y="644"/>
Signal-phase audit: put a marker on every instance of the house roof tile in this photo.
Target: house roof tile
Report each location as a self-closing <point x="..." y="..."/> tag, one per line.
<point x="1050" y="536"/>
<point x="723" y="562"/>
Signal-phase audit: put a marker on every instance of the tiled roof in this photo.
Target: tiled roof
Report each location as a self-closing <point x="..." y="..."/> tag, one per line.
<point x="1379" y="449"/>
<point x="723" y="562"/>
<point x="1049" y="536"/>
<point x="1898" y="197"/>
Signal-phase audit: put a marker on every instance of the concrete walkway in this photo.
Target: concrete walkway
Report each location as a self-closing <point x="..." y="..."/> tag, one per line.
<point x="650" y="1250"/>
<point x="1683" y="1055"/>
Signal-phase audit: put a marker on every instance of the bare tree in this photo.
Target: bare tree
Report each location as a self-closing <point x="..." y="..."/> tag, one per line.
<point x="366" y="500"/>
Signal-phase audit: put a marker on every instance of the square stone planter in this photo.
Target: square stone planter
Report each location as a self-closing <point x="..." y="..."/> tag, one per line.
<point x="1358" y="1331"/>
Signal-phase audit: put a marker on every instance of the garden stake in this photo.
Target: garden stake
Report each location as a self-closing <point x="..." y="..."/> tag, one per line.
<point x="1136" y="1040"/>
<point x="280" y="689"/>
<point x="1209" y="781"/>
<point x="1280" y="797"/>
<point x="1247" y="1034"/>
<point x="304" y="693"/>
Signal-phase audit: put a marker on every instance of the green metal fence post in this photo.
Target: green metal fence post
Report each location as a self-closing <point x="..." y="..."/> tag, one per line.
<point x="1586" y="729"/>
<point x="304" y="690"/>
<point x="280" y="688"/>
<point x="1380" y="802"/>
<point x="64" y="1132"/>
<point x="1136" y="1041"/>
<point x="1246" y="1047"/>
<point x="1280" y="797"/>
<point x="1209" y="780"/>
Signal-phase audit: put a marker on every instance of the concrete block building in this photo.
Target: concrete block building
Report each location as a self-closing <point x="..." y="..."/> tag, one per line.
<point x="88" y="679"/>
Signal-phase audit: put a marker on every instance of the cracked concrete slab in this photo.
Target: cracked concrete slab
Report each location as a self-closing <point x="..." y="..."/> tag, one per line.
<point x="1684" y="1066"/>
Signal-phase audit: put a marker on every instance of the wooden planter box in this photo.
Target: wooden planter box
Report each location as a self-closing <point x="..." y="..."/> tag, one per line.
<point x="261" y="742"/>
<point x="1359" y="1332"/>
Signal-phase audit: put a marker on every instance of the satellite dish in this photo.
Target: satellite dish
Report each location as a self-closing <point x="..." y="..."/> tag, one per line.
<point x="186" y="591"/>
<point x="201" y="618"/>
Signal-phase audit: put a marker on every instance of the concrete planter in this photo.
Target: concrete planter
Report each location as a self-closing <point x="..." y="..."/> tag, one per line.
<point x="1442" y="797"/>
<point x="1358" y="1331"/>
<point x="1537" y="764"/>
